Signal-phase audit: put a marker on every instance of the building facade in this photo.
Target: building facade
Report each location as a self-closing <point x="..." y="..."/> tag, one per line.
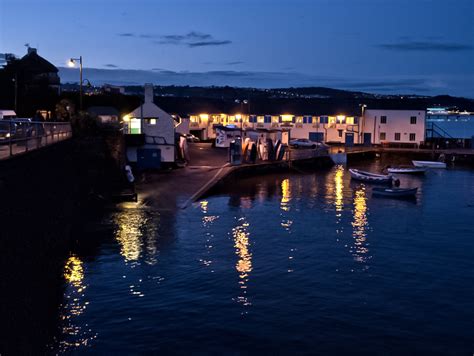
<point x="156" y="127"/>
<point x="404" y="127"/>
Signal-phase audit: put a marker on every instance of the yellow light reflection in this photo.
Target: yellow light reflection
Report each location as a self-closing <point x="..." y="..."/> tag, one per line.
<point x="136" y="234"/>
<point x="73" y="271"/>
<point x="73" y="335"/>
<point x="285" y="195"/>
<point x="339" y="188"/>
<point x="244" y="263"/>
<point x="360" y="225"/>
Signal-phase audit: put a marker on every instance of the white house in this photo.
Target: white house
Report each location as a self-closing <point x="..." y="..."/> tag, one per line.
<point x="155" y="125"/>
<point x="393" y="126"/>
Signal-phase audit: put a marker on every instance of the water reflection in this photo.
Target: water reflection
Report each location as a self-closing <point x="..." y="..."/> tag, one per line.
<point x="339" y="188"/>
<point x="244" y="264"/>
<point x="286" y="196"/>
<point x="360" y="225"/>
<point x="136" y="233"/>
<point x="207" y="221"/>
<point x="73" y="335"/>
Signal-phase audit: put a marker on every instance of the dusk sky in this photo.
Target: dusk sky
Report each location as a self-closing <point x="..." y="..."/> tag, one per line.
<point x="383" y="46"/>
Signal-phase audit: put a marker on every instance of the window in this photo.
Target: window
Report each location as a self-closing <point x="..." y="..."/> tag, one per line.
<point x="339" y="132"/>
<point x="150" y="121"/>
<point x="383" y="136"/>
<point x="412" y="121"/>
<point x="324" y="120"/>
<point x="412" y="137"/>
<point x="267" y="119"/>
<point x="397" y="136"/>
<point x="383" y="119"/>
<point x="253" y="118"/>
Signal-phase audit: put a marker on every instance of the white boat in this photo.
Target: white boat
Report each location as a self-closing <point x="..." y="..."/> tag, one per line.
<point x="370" y="177"/>
<point x="429" y="164"/>
<point x="407" y="170"/>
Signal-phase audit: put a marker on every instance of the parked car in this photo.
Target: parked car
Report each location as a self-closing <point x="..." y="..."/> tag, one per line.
<point x="304" y="142"/>
<point x="7" y="129"/>
<point x="192" y="138"/>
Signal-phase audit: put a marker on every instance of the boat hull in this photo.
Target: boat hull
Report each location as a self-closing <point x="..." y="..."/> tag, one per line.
<point x="411" y="170"/>
<point x="429" y="164"/>
<point x="395" y="192"/>
<point x="370" y="177"/>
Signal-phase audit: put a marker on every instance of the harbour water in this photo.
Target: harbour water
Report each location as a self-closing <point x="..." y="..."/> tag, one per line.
<point x="296" y="263"/>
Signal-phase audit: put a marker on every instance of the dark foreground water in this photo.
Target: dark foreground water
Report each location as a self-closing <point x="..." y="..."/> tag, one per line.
<point x="302" y="263"/>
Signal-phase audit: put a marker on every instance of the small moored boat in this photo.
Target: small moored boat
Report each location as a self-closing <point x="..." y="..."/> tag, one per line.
<point x="429" y="164"/>
<point x="370" y="177"/>
<point x="407" y="170"/>
<point x="395" y="192"/>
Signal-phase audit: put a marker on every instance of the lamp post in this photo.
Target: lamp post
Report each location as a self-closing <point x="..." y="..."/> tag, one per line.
<point x="71" y="63"/>
<point x="362" y="128"/>
<point x="242" y="102"/>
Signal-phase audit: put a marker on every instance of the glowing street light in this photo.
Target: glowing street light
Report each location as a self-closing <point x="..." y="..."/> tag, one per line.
<point x="71" y="64"/>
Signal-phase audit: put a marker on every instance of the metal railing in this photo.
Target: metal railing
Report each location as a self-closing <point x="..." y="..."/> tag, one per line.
<point x="19" y="136"/>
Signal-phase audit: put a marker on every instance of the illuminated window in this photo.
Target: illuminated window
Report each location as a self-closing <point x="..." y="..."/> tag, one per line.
<point x="299" y="120"/>
<point x="135" y="126"/>
<point x="412" y="137"/>
<point x="383" y="136"/>
<point x="397" y="136"/>
<point x="350" y="120"/>
<point x="150" y="121"/>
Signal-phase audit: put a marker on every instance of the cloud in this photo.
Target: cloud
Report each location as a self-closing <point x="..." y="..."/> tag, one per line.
<point x="208" y="43"/>
<point x="192" y="39"/>
<point x="110" y="66"/>
<point x="453" y="85"/>
<point x="425" y="46"/>
<point x="233" y="63"/>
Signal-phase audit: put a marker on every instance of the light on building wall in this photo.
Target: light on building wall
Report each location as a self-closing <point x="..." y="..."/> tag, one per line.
<point x="126" y="118"/>
<point x="204" y="116"/>
<point x="341" y="118"/>
<point x="238" y="116"/>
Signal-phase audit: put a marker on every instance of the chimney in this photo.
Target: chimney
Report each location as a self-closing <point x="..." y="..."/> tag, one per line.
<point x="148" y="93"/>
<point x="31" y="50"/>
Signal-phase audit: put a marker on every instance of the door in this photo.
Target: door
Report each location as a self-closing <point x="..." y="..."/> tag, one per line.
<point x="367" y="139"/>
<point x="316" y="136"/>
<point x="349" y="139"/>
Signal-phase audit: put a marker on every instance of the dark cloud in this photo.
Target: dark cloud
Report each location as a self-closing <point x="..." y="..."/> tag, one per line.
<point x="425" y="46"/>
<point x="209" y="43"/>
<point x="233" y="63"/>
<point x="433" y="85"/>
<point x="110" y="66"/>
<point x="192" y="39"/>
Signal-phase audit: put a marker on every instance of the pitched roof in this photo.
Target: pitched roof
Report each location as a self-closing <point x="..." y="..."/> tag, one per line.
<point x="35" y="63"/>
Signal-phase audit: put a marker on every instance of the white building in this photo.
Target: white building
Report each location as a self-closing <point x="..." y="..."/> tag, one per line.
<point x="393" y="126"/>
<point x="156" y="126"/>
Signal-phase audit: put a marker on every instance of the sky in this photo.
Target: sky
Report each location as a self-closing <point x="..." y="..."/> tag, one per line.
<point x="421" y="47"/>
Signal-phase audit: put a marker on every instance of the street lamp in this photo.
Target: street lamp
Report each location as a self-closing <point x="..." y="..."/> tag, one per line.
<point x="71" y="63"/>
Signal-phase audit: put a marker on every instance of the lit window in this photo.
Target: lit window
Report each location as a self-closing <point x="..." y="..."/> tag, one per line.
<point x="150" y="121"/>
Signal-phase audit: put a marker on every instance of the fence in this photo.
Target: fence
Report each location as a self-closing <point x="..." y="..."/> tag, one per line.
<point x="19" y="136"/>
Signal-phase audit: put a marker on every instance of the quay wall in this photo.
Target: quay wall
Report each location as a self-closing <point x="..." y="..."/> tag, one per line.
<point x="45" y="197"/>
